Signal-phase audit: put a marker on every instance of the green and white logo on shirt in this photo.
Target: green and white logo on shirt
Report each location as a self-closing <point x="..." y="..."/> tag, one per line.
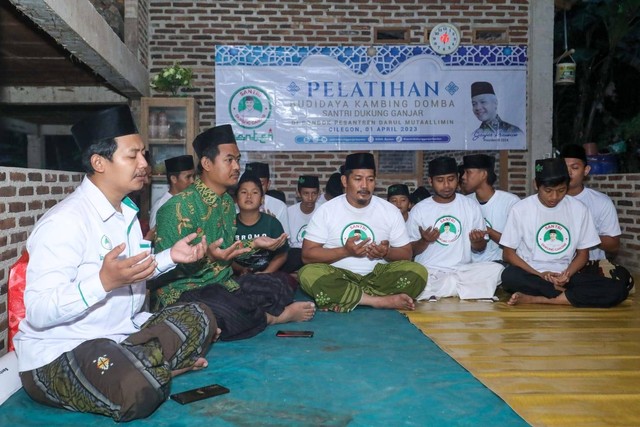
<point x="487" y="223"/>
<point x="105" y="242"/>
<point x="553" y="238"/>
<point x="358" y="229"/>
<point x="301" y="233"/>
<point x="450" y="229"/>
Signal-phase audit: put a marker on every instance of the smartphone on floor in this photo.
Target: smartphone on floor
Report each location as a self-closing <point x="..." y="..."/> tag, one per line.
<point x="294" y="334"/>
<point x="199" y="393"/>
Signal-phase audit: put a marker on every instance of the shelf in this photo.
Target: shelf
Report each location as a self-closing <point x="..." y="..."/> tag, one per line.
<point x="167" y="141"/>
<point x="167" y="117"/>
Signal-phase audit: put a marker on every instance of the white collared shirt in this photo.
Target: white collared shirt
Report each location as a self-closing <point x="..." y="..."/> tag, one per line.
<point x="65" y="301"/>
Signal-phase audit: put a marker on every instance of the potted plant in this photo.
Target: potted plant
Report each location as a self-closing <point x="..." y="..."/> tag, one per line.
<point x="171" y="79"/>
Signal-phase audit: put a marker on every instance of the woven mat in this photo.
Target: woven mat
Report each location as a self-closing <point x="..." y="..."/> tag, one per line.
<point x="554" y="365"/>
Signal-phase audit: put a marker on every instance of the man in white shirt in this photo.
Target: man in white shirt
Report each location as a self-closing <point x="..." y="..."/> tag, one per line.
<point x="544" y="269"/>
<point x="272" y="206"/>
<point x="444" y="230"/>
<point x="299" y="216"/>
<point x="85" y="344"/>
<point x="477" y="182"/>
<point x="603" y="212"/>
<point x="181" y="173"/>
<point x="356" y="248"/>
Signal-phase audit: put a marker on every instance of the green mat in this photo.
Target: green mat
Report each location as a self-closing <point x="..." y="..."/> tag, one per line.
<point x="365" y="368"/>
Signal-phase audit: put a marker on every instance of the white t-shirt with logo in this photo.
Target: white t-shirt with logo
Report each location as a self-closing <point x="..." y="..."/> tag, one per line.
<point x="298" y="221"/>
<point x="604" y="214"/>
<point x="495" y="213"/>
<point x="454" y="220"/>
<point x="547" y="238"/>
<point x="336" y="220"/>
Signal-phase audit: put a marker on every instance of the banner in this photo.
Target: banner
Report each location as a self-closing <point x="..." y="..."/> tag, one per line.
<point x="319" y="98"/>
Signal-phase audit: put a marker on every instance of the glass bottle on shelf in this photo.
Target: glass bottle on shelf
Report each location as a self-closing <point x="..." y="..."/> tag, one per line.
<point x="153" y="124"/>
<point x="163" y="125"/>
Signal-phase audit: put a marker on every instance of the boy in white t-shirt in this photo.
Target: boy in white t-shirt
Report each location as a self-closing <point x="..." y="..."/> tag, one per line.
<point x="477" y="182"/>
<point x="299" y="216"/>
<point x="546" y="243"/>
<point x="603" y="212"/>
<point x="445" y="230"/>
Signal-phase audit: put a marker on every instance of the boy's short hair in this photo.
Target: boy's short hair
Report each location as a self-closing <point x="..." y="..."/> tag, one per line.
<point x="249" y="177"/>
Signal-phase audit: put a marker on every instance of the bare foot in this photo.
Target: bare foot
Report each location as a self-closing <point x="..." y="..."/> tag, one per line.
<point x="200" y="363"/>
<point x="299" y="311"/>
<point x="520" y="298"/>
<point x="398" y="301"/>
<point x="516" y="298"/>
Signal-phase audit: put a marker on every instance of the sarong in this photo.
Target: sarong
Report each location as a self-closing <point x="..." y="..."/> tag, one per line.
<point x="242" y="314"/>
<point x="127" y="380"/>
<point x="341" y="290"/>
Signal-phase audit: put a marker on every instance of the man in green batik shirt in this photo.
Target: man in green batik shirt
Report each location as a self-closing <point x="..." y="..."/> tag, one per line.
<point x="242" y="306"/>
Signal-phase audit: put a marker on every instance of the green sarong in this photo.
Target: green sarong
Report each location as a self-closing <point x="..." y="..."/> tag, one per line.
<point x="341" y="290"/>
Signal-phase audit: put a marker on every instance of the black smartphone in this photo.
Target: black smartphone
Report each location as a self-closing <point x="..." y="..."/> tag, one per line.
<point x="294" y="334"/>
<point x="199" y="393"/>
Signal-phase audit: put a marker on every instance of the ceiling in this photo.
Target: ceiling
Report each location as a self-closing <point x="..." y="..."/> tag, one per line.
<point x="30" y="57"/>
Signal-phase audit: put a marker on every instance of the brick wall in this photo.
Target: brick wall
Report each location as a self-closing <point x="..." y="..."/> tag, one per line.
<point x="624" y="190"/>
<point x="188" y="31"/>
<point x="517" y="174"/>
<point x="25" y="195"/>
<point x="143" y="31"/>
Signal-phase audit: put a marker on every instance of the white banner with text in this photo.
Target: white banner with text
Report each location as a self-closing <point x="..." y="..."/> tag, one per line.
<point x="308" y="98"/>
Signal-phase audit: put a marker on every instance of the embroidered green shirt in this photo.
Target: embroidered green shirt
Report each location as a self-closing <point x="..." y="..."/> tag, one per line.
<point x="196" y="209"/>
